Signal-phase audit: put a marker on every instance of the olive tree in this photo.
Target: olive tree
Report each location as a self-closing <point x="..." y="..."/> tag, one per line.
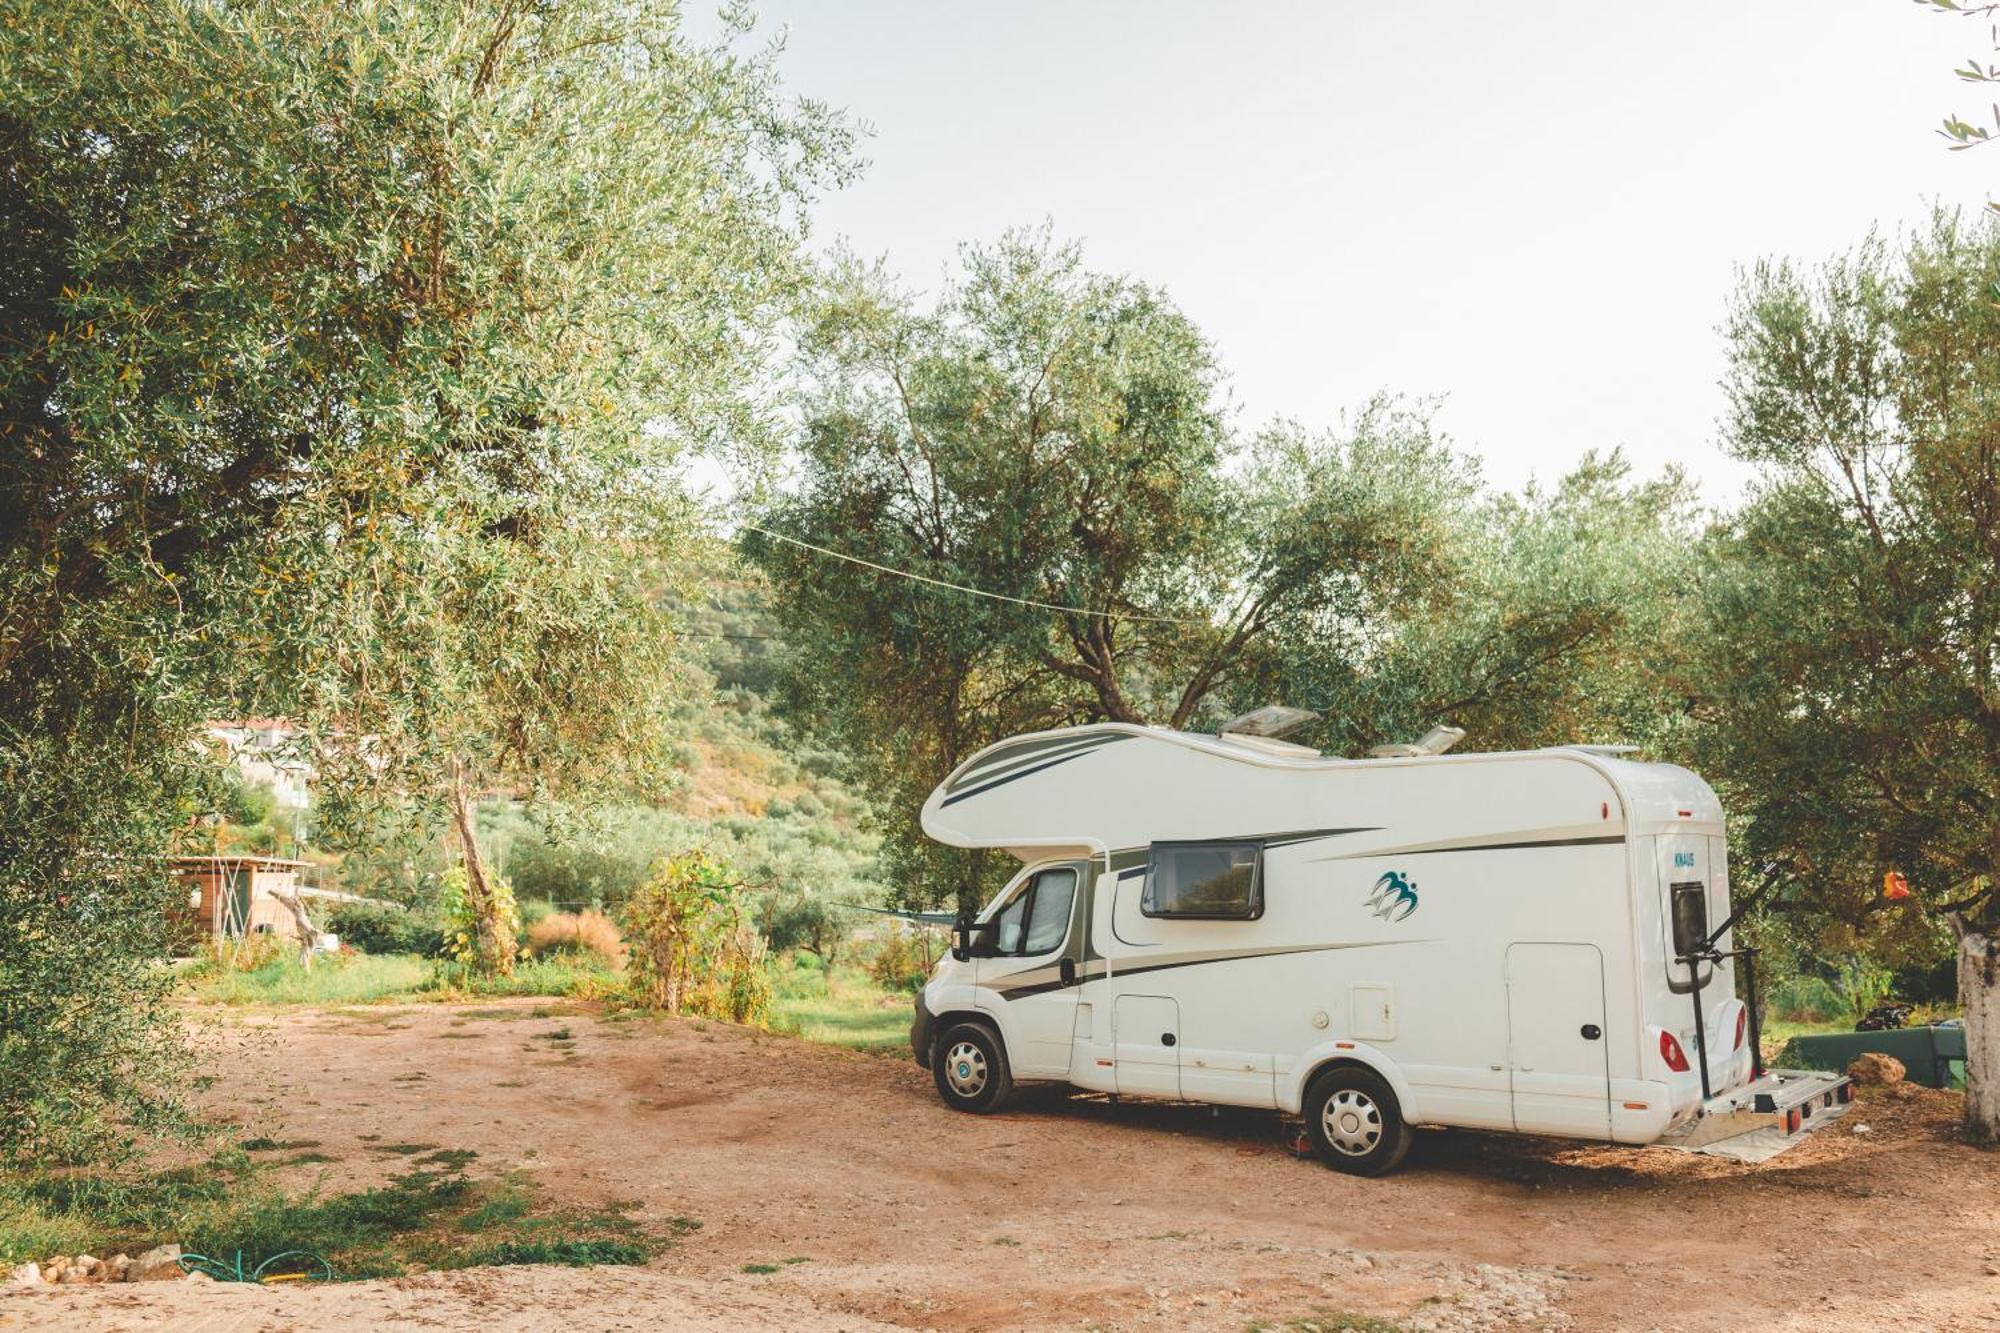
<point x="1851" y="645"/>
<point x="1055" y="440"/>
<point x="349" y="352"/>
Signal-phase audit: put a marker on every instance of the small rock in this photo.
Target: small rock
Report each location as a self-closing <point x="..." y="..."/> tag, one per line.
<point x="159" y="1264"/>
<point x="1876" y="1069"/>
<point x="1863" y="1129"/>
<point x="74" y="1273"/>
<point x="89" y="1263"/>
<point x="26" y="1275"/>
<point x="197" y="1276"/>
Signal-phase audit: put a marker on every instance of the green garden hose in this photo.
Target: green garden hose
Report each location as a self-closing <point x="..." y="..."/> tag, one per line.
<point x="233" y="1270"/>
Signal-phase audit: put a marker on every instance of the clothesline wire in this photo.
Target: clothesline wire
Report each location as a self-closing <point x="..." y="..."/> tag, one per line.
<point x="970" y="591"/>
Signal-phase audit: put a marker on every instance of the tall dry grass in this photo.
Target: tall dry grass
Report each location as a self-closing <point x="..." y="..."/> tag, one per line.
<point x="577" y="932"/>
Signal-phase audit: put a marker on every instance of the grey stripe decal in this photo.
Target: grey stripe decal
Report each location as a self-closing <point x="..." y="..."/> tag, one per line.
<point x="1129" y="857"/>
<point x="1478" y="847"/>
<point x="1001" y="782"/>
<point x="1015" y="755"/>
<point x="986" y="771"/>
<point x="1307" y="835"/>
<point x="1017" y="992"/>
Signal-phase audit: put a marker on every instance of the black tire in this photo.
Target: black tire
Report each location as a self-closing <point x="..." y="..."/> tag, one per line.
<point x="1355" y="1122"/>
<point x="970" y="1067"/>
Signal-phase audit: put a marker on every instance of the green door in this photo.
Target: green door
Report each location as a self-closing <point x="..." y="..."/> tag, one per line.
<point x="235" y="901"/>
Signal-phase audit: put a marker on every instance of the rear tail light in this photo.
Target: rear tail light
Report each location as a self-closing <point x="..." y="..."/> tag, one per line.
<point x="1671" y="1052"/>
<point x="1742" y="1024"/>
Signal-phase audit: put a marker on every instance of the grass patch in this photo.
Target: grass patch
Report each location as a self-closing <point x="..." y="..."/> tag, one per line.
<point x="402" y="1149"/>
<point x="575" y="1253"/>
<point x="277" y="1145"/>
<point x="839" y="1007"/>
<point x="431" y="1216"/>
<point x="353" y="979"/>
<point x="307" y="1159"/>
<point x="359" y="979"/>
<point x="760" y="1268"/>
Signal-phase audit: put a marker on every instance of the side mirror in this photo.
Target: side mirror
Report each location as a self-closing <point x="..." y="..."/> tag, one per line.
<point x="961" y="936"/>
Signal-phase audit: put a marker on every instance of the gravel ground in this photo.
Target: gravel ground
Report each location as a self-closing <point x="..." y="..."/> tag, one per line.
<point x="1066" y="1212"/>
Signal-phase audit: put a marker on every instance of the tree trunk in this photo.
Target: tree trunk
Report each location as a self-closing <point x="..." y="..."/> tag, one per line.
<point x="308" y="933"/>
<point x="1979" y="991"/>
<point x="495" y="943"/>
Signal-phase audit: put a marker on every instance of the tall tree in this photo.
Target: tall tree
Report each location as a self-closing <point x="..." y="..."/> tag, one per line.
<point x="1054" y="437"/>
<point x="347" y="349"/>
<point x="1553" y="621"/>
<point x="1852" y="643"/>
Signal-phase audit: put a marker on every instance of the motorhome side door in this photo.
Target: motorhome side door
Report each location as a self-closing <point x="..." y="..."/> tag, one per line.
<point x="1030" y="967"/>
<point x="1555" y="1040"/>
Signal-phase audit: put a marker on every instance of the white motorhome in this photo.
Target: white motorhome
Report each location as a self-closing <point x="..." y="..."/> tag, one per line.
<point x="1496" y="941"/>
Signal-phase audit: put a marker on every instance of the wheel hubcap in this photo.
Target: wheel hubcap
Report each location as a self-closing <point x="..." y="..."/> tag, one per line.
<point x="965" y="1069"/>
<point x="1352" y="1121"/>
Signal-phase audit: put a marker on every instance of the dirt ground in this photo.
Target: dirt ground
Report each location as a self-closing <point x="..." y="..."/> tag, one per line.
<point x="1067" y="1211"/>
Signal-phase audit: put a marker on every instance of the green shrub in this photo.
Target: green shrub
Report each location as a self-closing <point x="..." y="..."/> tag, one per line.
<point x="902" y="958"/>
<point x="383" y="929"/>
<point x="693" y="948"/>
<point x="461" y="922"/>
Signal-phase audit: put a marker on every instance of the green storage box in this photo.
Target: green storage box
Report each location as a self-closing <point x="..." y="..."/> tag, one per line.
<point x="1926" y="1052"/>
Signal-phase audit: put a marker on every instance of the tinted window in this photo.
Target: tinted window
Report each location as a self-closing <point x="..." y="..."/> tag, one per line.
<point x="1690" y="917"/>
<point x="1048" y="917"/>
<point x="1214" y="879"/>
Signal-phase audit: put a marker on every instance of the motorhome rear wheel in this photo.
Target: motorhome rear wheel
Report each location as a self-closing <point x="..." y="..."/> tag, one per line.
<point x="970" y="1065"/>
<point x="1355" y="1122"/>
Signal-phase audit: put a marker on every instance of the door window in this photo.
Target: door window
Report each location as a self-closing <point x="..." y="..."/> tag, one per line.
<point x="1036" y="919"/>
<point x="1007" y="925"/>
<point x="1048" y="917"/>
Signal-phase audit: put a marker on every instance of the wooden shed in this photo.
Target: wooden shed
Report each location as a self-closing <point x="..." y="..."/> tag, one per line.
<point x="231" y="896"/>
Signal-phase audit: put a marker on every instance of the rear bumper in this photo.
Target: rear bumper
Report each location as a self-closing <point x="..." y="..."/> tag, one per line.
<point x="921" y="1031"/>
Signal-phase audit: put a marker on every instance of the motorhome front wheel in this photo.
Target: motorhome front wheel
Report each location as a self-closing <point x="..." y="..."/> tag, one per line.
<point x="970" y="1066"/>
<point x="1355" y="1122"/>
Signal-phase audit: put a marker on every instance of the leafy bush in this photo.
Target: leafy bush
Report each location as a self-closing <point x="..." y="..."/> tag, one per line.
<point x="693" y="947"/>
<point x="903" y="957"/>
<point x="380" y="929"/>
<point x="577" y="932"/>
<point x="461" y="923"/>
<point x="247" y="953"/>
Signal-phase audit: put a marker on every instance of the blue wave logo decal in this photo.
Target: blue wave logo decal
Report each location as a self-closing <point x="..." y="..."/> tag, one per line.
<point x="1394" y="897"/>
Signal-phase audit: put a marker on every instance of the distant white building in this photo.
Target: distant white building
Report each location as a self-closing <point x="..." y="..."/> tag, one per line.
<point x="266" y="752"/>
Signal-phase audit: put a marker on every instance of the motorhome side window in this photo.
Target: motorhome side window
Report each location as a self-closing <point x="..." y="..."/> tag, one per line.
<point x="1690" y="917"/>
<point x="1204" y="880"/>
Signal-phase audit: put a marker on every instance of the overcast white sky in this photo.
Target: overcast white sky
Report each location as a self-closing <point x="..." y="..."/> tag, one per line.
<point x="1533" y="209"/>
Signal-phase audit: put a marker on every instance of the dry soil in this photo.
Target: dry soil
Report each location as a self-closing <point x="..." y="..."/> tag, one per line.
<point x="1066" y="1212"/>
